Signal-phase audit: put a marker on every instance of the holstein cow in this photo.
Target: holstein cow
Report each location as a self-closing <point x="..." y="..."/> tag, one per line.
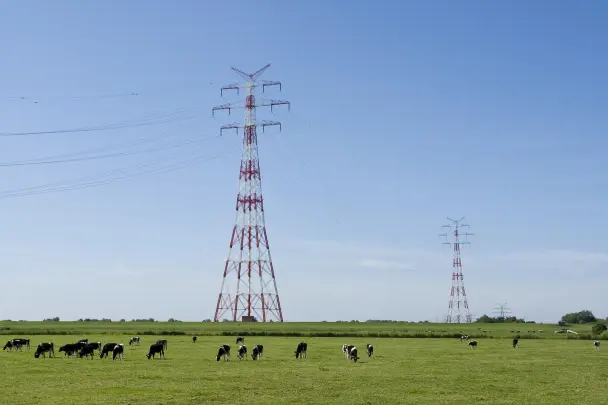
<point x="118" y="351"/>
<point x="44" y="348"/>
<point x="68" y="349"/>
<point x="162" y="342"/>
<point x="257" y="352"/>
<point x="473" y="344"/>
<point x="87" y="351"/>
<point x="240" y="339"/>
<point x="596" y="344"/>
<point x="156" y="348"/>
<point x="18" y="343"/>
<point x="107" y="349"/>
<point x="193" y="339"/>
<point x="133" y="340"/>
<point x="464" y="337"/>
<point x="242" y="353"/>
<point x="301" y="350"/>
<point x="346" y="350"/>
<point x="224" y="351"/>
<point x="370" y="350"/>
<point x="352" y="354"/>
<point x="516" y="342"/>
<point x="8" y="346"/>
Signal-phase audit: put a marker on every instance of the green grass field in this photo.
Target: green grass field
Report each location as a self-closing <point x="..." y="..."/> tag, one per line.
<point x="404" y="371"/>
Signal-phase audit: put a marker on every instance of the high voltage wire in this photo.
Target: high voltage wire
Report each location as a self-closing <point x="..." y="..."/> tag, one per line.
<point x="98" y="180"/>
<point x="151" y="120"/>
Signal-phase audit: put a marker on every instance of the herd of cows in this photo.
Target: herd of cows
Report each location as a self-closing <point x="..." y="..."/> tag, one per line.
<point x="85" y="349"/>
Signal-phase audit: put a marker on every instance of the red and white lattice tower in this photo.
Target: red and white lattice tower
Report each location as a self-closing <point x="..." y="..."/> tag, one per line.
<point x="458" y="307"/>
<point x="249" y="287"/>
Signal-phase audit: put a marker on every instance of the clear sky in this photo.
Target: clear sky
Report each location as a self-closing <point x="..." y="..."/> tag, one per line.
<point x="403" y="113"/>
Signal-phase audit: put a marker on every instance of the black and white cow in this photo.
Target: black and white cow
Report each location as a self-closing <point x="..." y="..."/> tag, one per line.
<point x="194" y="339"/>
<point x="86" y="351"/>
<point x="258" y="352"/>
<point x="18" y="343"/>
<point x="156" y="348"/>
<point x="352" y="354"/>
<point x="370" y="350"/>
<point x="301" y="350"/>
<point x="8" y="346"/>
<point x="242" y="352"/>
<point x="69" y="349"/>
<point x="346" y="350"/>
<point x="44" y="348"/>
<point x="107" y="349"/>
<point x="134" y="340"/>
<point x="464" y="338"/>
<point x="118" y="351"/>
<point x="516" y="342"/>
<point x="596" y="344"/>
<point x="162" y="342"/>
<point x="240" y="340"/>
<point x="95" y="345"/>
<point x="224" y="351"/>
<point x="473" y="344"/>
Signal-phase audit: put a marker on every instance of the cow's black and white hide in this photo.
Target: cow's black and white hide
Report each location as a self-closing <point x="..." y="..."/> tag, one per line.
<point x="301" y="350"/>
<point x="515" y="342"/>
<point x="69" y="349"/>
<point x="156" y="348"/>
<point x="370" y="350"/>
<point x="44" y="348"/>
<point x="352" y="354"/>
<point x="118" y="351"/>
<point x="224" y="351"/>
<point x="107" y="349"/>
<point x="258" y="352"/>
<point x="240" y="340"/>
<point x="473" y="344"/>
<point x="8" y="346"/>
<point x="162" y="342"/>
<point x="596" y="344"/>
<point x="134" y="340"/>
<point x="464" y="338"/>
<point x="242" y="352"/>
<point x="86" y="351"/>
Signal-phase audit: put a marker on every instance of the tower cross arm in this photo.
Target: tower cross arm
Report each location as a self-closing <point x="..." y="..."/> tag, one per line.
<point x="272" y="103"/>
<point x="237" y="126"/>
<point x="229" y="107"/>
<point x="269" y="83"/>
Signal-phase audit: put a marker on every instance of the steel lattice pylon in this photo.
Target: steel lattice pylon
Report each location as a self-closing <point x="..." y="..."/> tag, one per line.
<point x="458" y="307"/>
<point x="249" y="268"/>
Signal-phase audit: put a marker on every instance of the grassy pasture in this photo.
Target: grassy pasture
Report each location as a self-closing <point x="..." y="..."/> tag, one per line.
<point x="293" y="329"/>
<point x="404" y="371"/>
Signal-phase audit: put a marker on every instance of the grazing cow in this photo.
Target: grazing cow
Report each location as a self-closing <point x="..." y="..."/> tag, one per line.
<point x="301" y="350"/>
<point x="156" y="348"/>
<point x="162" y="342"/>
<point x="18" y="343"/>
<point x="133" y="340"/>
<point x="224" y="351"/>
<point x="242" y="353"/>
<point x="107" y="348"/>
<point x="9" y="345"/>
<point x="596" y="344"/>
<point x="352" y="354"/>
<point x="516" y="342"/>
<point x="44" y="348"/>
<point x="68" y="349"/>
<point x="118" y="351"/>
<point x="87" y="351"/>
<point x="464" y="337"/>
<point x="346" y="350"/>
<point x="370" y="350"/>
<point x="473" y="344"/>
<point x="193" y="339"/>
<point x="240" y="339"/>
<point x="257" y="352"/>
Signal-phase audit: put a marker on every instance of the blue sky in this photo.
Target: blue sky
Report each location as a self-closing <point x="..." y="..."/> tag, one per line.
<point x="403" y="113"/>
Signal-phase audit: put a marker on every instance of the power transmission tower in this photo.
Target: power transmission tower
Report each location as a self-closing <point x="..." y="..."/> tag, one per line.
<point x="502" y="310"/>
<point x="249" y="288"/>
<point x="458" y="307"/>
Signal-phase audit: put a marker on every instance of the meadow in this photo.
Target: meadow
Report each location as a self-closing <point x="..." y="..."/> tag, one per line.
<point x="403" y="371"/>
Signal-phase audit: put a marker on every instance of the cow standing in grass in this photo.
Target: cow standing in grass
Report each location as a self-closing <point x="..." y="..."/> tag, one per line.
<point x="162" y="342"/>
<point x="242" y="352"/>
<point x="68" y="349"/>
<point x="134" y="340"/>
<point x="107" y="349"/>
<point x="352" y="354"/>
<point x="224" y="351"/>
<point x="8" y="346"/>
<point x="346" y="350"/>
<point x="301" y="350"/>
<point x="370" y="350"/>
<point x="156" y="348"/>
<point x="516" y="342"/>
<point x="194" y="339"/>
<point x="464" y="338"/>
<point x="44" y="348"/>
<point x="596" y="344"/>
<point x="473" y="344"/>
<point x="86" y="351"/>
<point x="240" y="340"/>
<point x="118" y="351"/>
<point x="257" y="352"/>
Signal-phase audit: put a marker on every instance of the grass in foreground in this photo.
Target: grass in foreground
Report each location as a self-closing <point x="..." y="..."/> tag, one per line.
<point x="414" y="371"/>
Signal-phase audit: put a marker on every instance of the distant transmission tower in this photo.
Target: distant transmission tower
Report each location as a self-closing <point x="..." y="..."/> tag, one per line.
<point x="458" y="308"/>
<point x="249" y="288"/>
<point x="502" y="310"/>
